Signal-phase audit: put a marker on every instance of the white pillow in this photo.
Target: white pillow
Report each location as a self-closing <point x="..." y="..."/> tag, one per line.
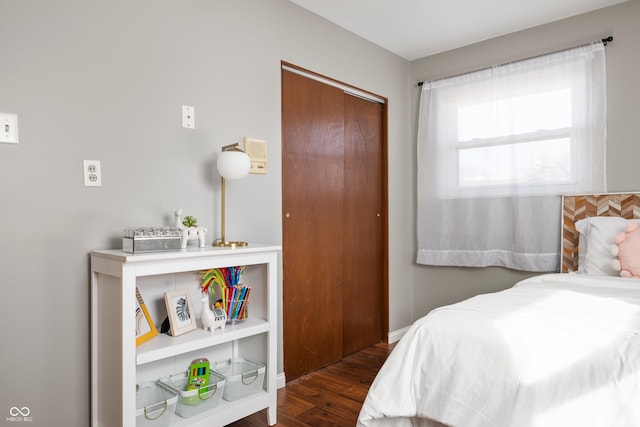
<point x="597" y="234"/>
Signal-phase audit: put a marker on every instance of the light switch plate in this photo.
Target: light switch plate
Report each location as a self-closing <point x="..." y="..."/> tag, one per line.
<point x="9" y="128"/>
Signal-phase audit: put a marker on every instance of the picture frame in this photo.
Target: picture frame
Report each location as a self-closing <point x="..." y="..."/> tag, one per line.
<point x="145" y="328"/>
<point x="182" y="317"/>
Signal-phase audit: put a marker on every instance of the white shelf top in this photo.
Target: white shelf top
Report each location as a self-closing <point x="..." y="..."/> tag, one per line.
<point x="163" y="345"/>
<point x="189" y="252"/>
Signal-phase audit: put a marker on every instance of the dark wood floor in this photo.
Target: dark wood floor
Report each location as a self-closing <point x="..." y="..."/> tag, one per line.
<point x="331" y="396"/>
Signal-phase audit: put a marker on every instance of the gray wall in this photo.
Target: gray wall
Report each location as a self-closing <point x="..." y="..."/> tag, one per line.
<point x="105" y="81"/>
<point x="436" y="286"/>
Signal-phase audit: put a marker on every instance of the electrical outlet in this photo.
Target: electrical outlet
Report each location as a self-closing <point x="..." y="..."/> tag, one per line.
<point x="188" y="117"/>
<point x="9" y="128"/>
<point x="92" y="173"/>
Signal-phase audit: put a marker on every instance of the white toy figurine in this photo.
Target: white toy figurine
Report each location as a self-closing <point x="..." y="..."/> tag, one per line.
<point x="211" y="320"/>
<point x="189" y="233"/>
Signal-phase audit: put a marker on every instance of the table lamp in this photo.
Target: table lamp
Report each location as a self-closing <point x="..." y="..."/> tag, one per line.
<point x="233" y="163"/>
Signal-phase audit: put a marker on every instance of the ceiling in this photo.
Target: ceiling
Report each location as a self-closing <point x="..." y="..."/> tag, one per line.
<point x="414" y="29"/>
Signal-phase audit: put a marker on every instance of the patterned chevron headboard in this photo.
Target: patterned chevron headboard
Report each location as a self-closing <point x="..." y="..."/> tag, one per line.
<point x="574" y="208"/>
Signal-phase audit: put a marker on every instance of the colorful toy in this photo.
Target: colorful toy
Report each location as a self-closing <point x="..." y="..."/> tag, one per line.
<point x="198" y="379"/>
<point x="627" y="251"/>
<point x="233" y="296"/>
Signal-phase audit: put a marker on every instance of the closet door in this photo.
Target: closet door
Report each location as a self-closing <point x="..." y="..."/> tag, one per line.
<point x="333" y="195"/>
<point x="313" y="204"/>
<point x="362" y="291"/>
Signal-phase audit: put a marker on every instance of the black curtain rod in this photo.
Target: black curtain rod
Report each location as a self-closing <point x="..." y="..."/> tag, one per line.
<point x="605" y="41"/>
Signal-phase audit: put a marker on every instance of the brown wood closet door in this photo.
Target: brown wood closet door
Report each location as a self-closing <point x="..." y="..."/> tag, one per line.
<point x="313" y="182"/>
<point x="363" y="225"/>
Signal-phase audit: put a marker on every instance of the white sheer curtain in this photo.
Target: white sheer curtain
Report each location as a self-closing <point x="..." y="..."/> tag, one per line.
<point x="497" y="148"/>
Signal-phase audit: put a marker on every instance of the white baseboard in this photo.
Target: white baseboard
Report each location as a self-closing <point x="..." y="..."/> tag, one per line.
<point x="394" y="336"/>
<point x="281" y="381"/>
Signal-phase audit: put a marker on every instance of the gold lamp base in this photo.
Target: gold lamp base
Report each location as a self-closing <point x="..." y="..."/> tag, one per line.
<point x="223" y="244"/>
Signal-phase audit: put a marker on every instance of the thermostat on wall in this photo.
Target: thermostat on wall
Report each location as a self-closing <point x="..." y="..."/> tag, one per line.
<point x="257" y="151"/>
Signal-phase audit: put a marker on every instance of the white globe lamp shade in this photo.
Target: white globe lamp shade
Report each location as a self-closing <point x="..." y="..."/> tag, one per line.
<point x="233" y="164"/>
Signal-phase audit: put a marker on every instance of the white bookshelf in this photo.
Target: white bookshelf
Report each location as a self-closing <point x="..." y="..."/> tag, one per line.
<point x="117" y="364"/>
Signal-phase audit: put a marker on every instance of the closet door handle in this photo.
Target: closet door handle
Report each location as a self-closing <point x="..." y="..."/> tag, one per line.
<point x="287" y="215"/>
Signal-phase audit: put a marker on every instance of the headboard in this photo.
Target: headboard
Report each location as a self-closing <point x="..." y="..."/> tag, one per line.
<point x="574" y="208"/>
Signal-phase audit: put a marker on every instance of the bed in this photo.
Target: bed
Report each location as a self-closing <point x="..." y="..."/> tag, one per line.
<point x="558" y="349"/>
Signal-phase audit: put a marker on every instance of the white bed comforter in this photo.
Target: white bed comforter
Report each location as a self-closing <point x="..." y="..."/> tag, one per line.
<point x="555" y="350"/>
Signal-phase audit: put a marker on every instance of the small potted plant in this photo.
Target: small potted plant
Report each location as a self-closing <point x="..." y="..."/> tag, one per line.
<point x="189" y="221"/>
<point x="190" y="229"/>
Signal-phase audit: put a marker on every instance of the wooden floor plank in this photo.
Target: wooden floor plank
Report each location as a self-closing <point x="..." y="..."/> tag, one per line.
<point x="289" y="403"/>
<point x="331" y="396"/>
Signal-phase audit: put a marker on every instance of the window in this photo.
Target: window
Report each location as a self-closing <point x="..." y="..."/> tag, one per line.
<point x="501" y="142"/>
<point x="514" y="129"/>
<point x="524" y="140"/>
